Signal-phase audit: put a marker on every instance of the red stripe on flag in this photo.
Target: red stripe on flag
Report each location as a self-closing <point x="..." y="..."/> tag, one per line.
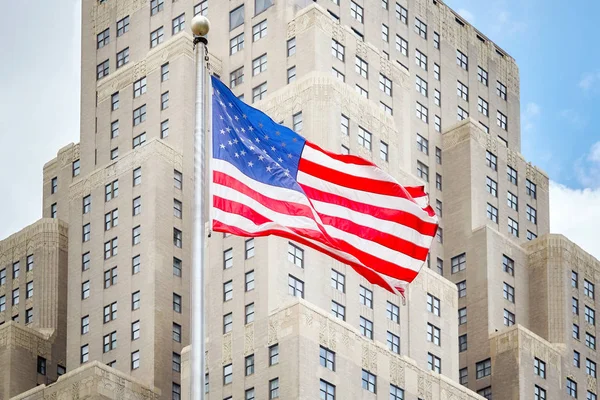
<point x="345" y="158"/>
<point x="400" y="217"/>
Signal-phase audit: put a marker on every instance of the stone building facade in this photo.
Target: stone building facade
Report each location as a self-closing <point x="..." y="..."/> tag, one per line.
<point x="407" y="84"/>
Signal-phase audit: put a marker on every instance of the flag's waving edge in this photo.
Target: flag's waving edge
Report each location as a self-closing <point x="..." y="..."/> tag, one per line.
<point x="268" y="180"/>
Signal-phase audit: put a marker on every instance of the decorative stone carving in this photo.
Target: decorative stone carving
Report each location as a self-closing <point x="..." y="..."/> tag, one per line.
<point x="227" y="348"/>
<point x="101" y="12"/>
<point x="274" y="326"/>
<point x="248" y="340"/>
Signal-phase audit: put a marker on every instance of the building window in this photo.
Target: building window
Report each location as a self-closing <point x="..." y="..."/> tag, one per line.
<point x="433" y="334"/>
<point x="401" y="13"/>
<point x="227" y="374"/>
<point x="259" y="92"/>
<point x="291" y="47"/>
<point x="110" y="277"/>
<point x="114" y="101"/>
<point x="501" y="120"/>
<point x="590" y="315"/>
<point x="110" y="342"/>
<point x="102" y="70"/>
<point x="259" y="30"/>
<point x="274" y="389"/>
<point x="177" y="208"/>
<point x="482" y="75"/>
<point x="385" y="33"/>
<point x="327" y="358"/>
<point x="111" y="190"/>
<point x="177" y="238"/>
<point x="274" y="354"/>
<point x="178" y="24"/>
<point x="110" y="312"/>
<point x="156" y="6"/>
<point x="590" y="368"/>
<point x="393" y="342"/>
<point x="422" y="112"/>
<point x="402" y="45"/>
<point x="85" y="264"/>
<point x="512" y="201"/>
<point x="295" y="286"/>
<point x="123" y="26"/>
<point x="135" y="359"/>
<point x="421" y="59"/>
<point x="436" y="71"/>
<point x="436" y="40"/>
<point x="53" y="185"/>
<point x="462" y="114"/>
<point x="491" y="160"/>
<point x="327" y="390"/>
<point x="365" y="296"/>
<point x="590" y="341"/>
<point x="509" y="318"/>
<point x="483" y="368"/>
<point x="137" y="205"/>
<point x="249" y="365"/>
<point x="433" y="304"/>
<point x="422" y="144"/>
<point x="462" y="343"/>
<point x="530" y="189"/>
<point x="249" y="313"/>
<point x="434" y="363"/>
<point x="462" y="91"/>
<point x="261" y="5"/>
<point x="85" y="291"/>
<point x="422" y="171"/>
<point x="338" y="310"/>
<point x="122" y="57"/>
<point x="249" y="281"/>
<point x="176" y="332"/>
<point x="462" y="289"/>
<point x="509" y="292"/>
<point x="501" y="90"/>
<point x="492" y="213"/>
<point x="103" y="38"/>
<point x="356" y="12"/>
<point x="458" y="263"/>
<point x="539" y="393"/>
<point x="539" y="368"/>
<point x="385" y="84"/>
<point x="227" y="323"/>
<point x="421" y="28"/>
<point x="28" y="316"/>
<point x="462" y="316"/>
<point x="462" y="60"/>
<point x="139" y="87"/>
<point x="85" y="324"/>
<point x="291" y="74"/>
<point x="531" y="214"/>
<point x="575" y="331"/>
<point x="16" y="268"/>
<point x="84" y="353"/>
<point x="295" y="255"/>
<point x="177" y="265"/>
<point x="421" y="86"/>
<point x="575" y="306"/>
<point x="513" y="227"/>
<point x="139" y="115"/>
<point x="438" y="124"/>
<point x="337" y="50"/>
<point x="393" y="312"/>
<point x="114" y="129"/>
<point x="486" y="392"/>
<point x="369" y="381"/>
<point x="588" y="288"/>
<point x="177" y="303"/>
<point x="364" y="138"/>
<point x="297" y="122"/>
<point x="136" y="235"/>
<point x="259" y="65"/>
<point x="437" y="97"/>
<point x="463" y="376"/>
<point x="135" y="300"/>
<point x="135" y="330"/>
<point x="361" y="67"/>
<point x="571" y="388"/>
<point x="482" y="106"/>
<point x="366" y="327"/>
<point x="227" y="290"/>
<point x="236" y="44"/>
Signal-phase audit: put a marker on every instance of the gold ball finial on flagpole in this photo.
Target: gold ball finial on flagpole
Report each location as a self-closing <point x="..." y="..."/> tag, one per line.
<point x="200" y="25"/>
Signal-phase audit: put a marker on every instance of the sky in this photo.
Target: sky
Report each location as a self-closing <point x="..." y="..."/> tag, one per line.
<point x="555" y="48"/>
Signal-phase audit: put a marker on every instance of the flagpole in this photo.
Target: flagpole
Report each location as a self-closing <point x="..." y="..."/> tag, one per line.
<point x="200" y="27"/>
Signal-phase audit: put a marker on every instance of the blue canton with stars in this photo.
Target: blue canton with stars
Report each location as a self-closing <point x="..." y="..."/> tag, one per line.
<point x="247" y="138"/>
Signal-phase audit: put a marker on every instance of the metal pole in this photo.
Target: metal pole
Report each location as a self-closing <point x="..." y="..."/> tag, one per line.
<point x="200" y="26"/>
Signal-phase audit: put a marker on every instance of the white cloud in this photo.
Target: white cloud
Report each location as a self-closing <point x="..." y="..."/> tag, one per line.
<point x="529" y="116"/>
<point x="506" y="25"/>
<point x="587" y="168"/>
<point x="575" y="213"/>
<point x="466" y="14"/>
<point x="589" y="80"/>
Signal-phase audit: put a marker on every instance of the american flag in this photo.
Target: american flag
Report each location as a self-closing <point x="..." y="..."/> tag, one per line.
<point x="269" y="180"/>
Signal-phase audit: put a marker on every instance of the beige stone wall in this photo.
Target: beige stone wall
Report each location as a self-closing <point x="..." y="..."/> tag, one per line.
<point x="93" y="381"/>
<point x="21" y="342"/>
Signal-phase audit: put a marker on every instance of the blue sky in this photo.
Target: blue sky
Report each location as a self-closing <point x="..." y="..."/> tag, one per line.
<point x="555" y="46"/>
